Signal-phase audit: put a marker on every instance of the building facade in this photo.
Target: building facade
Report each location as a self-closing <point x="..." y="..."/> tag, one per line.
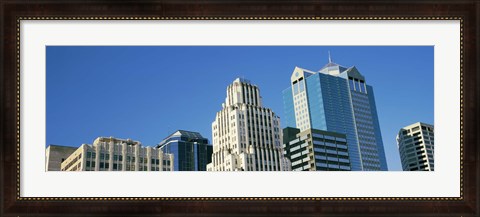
<point x="337" y="99"/>
<point x="246" y="135"/>
<point x="316" y="150"/>
<point x="113" y="154"/>
<point x="416" y="147"/>
<point x="55" y="155"/>
<point x="191" y="150"/>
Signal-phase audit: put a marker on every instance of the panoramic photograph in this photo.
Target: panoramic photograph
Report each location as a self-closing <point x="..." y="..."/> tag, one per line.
<point x="239" y="108"/>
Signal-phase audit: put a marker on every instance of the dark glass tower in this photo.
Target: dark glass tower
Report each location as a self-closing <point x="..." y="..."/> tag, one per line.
<point x="190" y="149"/>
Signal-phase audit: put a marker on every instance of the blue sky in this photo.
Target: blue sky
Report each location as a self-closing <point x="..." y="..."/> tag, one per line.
<point x="146" y="93"/>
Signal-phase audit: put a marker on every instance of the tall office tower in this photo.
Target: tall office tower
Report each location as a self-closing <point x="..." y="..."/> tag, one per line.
<point x="337" y="99"/>
<point x="246" y="136"/>
<point x="416" y="146"/>
<point x="191" y="151"/>
<point x="112" y="154"/>
<point x="316" y="150"/>
<point x="55" y="155"/>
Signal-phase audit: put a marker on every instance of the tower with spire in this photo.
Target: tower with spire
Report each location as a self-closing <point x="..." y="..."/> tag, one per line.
<point x="337" y="99"/>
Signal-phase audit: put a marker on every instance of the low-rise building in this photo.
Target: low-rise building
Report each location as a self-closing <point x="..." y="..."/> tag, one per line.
<point x="316" y="150"/>
<point x="55" y="155"/>
<point x="113" y="154"/>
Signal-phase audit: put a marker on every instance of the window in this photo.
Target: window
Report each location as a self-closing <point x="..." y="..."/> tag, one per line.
<point x="87" y="163"/>
<point x="94" y="155"/>
<point x="107" y="157"/>
<point x="115" y="157"/>
<point x="101" y="165"/>
<point x="102" y="156"/>
<point x="302" y="86"/>
<point x="362" y="86"/>
<point x="93" y="163"/>
<point x="89" y="154"/>
<point x="107" y="165"/>
<point x="120" y="158"/>
<point x="114" y="166"/>
<point x="350" y="82"/>
<point x="120" y="167"/>
<point x="295" y="88"/>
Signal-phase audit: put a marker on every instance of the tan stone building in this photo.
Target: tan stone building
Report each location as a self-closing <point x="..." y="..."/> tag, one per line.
<point x="55" y="155"/>
<point x="246" y="135"/>
<point x="113" y="154"/>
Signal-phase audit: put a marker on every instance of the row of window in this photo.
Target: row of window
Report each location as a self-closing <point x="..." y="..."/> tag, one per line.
<point x="92" y="155"/>
<point x="299" y="86"/>
<point x="90" y="165"/>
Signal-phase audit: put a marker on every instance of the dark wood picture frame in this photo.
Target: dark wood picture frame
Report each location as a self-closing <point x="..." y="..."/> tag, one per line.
<point x="11" y="204"/>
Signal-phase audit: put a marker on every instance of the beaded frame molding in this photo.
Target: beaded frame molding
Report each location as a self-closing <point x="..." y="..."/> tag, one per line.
<point x="18" y="84"/>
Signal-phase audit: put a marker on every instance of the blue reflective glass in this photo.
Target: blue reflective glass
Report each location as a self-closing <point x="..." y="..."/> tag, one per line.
<point x="288" y="108"/>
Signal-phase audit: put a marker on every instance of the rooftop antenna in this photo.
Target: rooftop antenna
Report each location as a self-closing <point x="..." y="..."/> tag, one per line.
<point x="329" y="57"/>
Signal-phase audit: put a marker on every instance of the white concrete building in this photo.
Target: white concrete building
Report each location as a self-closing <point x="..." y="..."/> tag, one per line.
<point x="113" y="154"/>
<point x="416" y="146"/>
<point x="246" y="136"/>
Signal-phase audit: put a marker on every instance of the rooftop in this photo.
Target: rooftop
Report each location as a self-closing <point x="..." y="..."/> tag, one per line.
<point x="183" y="133"/>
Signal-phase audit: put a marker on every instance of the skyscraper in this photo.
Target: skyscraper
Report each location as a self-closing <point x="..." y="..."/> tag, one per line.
<point x="246" y="135"/>
<point x="337" y="99"/>
<point x="191" y="151"/>
<point x="416" y="147"/>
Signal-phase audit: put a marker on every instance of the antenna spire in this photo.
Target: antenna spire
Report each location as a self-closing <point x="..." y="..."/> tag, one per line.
<point x="329" y="57"/>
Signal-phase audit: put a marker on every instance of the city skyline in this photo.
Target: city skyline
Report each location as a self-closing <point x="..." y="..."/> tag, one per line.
<point x="131" y="92"/>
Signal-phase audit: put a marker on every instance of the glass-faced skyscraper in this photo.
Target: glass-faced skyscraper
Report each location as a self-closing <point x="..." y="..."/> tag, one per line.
<point x="246" y="135"/>
<point x="337" y="99"/>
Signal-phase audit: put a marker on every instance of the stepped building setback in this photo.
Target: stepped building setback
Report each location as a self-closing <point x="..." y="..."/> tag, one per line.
<point x="246" y="135"/>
